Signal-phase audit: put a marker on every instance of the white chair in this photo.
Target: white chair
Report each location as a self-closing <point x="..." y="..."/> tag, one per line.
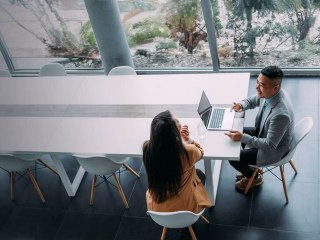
<point x="52" y="69"/>
<point x="37" y="157"/>
<point x="301" y="130"/>
<point x="178" y="219"/>
<point x="14" y="164"/>
<point x="122" y="70"/>
<point x="5" y="73"/>
<point x="101" y="165"/>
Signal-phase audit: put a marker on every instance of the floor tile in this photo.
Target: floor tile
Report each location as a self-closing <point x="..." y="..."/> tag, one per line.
<point x="221" y="232"/>
<point x="232" y="207"/>
<point x="32" y="223"/>
<point x="264" y="234"/>
<point x="270" y="211"/>
<point x="131" y="228"/>
<point x="107" y="198"/>
<point x="20" y="184"/>
<point x="137" y="203"/>
<point x="52" y="189"/>
<point x="5" y="211"/>
<point x="79" y="226"/>
<point x="306" y="161"/>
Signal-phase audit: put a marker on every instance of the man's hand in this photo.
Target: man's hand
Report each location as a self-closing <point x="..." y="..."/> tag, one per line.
<point x="234" y="135"/>
<point x="237" y="107"/>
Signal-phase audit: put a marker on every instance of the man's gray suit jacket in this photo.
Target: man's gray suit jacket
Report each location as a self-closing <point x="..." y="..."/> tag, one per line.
<point x="276" y="128"/>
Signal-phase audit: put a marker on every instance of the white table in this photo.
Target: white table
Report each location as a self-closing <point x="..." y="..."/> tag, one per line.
<point x="108" y="135"/>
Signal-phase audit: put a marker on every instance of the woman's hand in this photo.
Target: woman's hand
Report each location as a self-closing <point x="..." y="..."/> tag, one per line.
<point x="185" y="133"/>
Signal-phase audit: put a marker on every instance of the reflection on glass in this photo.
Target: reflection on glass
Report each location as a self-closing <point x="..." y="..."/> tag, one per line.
<point x="3" y="64"/>
<point x="260" y="33"/>
<point x="166" y="33"/>
<point x="38" y="32"/>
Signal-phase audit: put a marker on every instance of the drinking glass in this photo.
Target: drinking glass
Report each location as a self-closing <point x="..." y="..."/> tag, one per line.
<point x="201" y="130"/>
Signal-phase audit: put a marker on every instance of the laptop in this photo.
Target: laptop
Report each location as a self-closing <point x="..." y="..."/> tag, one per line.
<point x="215" y="118"/>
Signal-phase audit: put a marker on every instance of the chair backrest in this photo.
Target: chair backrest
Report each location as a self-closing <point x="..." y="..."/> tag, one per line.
<point x="98" y="165"/>
<point x="12" y="163"/>
<point x="122" y="70"/>
<point x="178" y="219"/>
<point x="301" y="130"/>
<point x="5" y="73"/>
<point x="52" y="69"/>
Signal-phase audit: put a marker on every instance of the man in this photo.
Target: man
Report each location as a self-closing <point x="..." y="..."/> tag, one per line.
<point x="269" y="140"/>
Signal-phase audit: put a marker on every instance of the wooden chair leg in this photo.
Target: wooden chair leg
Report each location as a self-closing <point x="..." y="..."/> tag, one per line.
<point x="36" y="186"/>
<point x="204" y="219"/>
<point x="121" y="191"/>
<point x="47" y="166"/>
<point x="164" y="231"/>
<point x="192" y="233"/>
<point x="284" y="183"/>
<point x="94" y="180"/>
<point x="294" y="168"/>
<point x="12" y="185"/>
<point x="251" y="180"/>
<point x="131" y="170"/>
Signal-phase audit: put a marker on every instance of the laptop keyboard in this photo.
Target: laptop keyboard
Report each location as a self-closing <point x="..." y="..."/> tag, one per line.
<point x="217" y="118"/>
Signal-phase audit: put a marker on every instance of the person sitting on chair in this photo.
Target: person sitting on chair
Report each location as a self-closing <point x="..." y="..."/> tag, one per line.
<point x="269" y="140"/>
<point x="173" y="181"/>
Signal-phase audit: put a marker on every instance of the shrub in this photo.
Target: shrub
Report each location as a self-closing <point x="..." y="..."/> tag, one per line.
<point x="166" y="45"/>
<point x="146" y="31"/>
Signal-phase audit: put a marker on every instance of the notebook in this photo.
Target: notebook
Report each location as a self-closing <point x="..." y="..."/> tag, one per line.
<point x="215" y="118"/>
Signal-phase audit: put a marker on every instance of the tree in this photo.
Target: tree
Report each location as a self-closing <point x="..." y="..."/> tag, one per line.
<point x="302" y="15"/>
<point x="240" y="13"/>
<point x="215" y="16"/>
<point x="183" y="17"/>
<point x="56" y="34"/>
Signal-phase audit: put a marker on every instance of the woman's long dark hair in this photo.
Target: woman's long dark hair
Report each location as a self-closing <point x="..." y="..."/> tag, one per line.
<point x="162" y="156"/>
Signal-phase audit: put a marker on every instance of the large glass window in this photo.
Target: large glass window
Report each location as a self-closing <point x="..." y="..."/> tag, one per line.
<point x="166" y="34"/>
<point x="39" y="31"/>
<point x="260" y="33"/>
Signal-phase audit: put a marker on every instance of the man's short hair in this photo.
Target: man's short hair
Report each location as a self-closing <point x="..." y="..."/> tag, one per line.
<point x="274" y="73"/>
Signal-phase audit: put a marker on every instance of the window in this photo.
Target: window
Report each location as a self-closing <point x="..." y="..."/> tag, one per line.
<point x="39" y="32"/>
<point x="260" y="33"/>
<point x="166" y="34"/>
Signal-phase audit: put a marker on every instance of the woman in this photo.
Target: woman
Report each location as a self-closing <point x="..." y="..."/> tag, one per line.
<point x="173" y="184"/>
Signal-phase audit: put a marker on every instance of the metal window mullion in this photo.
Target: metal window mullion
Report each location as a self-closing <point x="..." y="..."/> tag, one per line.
<point x="212" y="39"/>
<point x="6" y="55"/>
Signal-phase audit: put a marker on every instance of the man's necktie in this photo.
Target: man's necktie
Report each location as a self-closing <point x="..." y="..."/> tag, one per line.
<point x="261" y="114"/>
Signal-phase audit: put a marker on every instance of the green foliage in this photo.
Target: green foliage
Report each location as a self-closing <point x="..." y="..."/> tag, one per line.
<point x="183" y="12"/>
<point x="306" y="50"/>
<point x="308" y="47"/>
<point x="136" y="4"/>
<point x="166" y="45"/>
<point x="215" y="15"/>
<point x="87" y="37"/>
<point x="146" y="31"/>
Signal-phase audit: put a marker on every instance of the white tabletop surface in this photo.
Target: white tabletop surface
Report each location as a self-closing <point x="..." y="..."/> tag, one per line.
<point x="38" y="90"/>
<point x="113" y="136"/>
<point x="109" y="135"/>
<point x="221" y="88"/>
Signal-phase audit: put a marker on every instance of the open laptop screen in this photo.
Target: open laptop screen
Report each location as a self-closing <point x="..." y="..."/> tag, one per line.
<point x="204" y="104"/>
<point x="204" y="108"/>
